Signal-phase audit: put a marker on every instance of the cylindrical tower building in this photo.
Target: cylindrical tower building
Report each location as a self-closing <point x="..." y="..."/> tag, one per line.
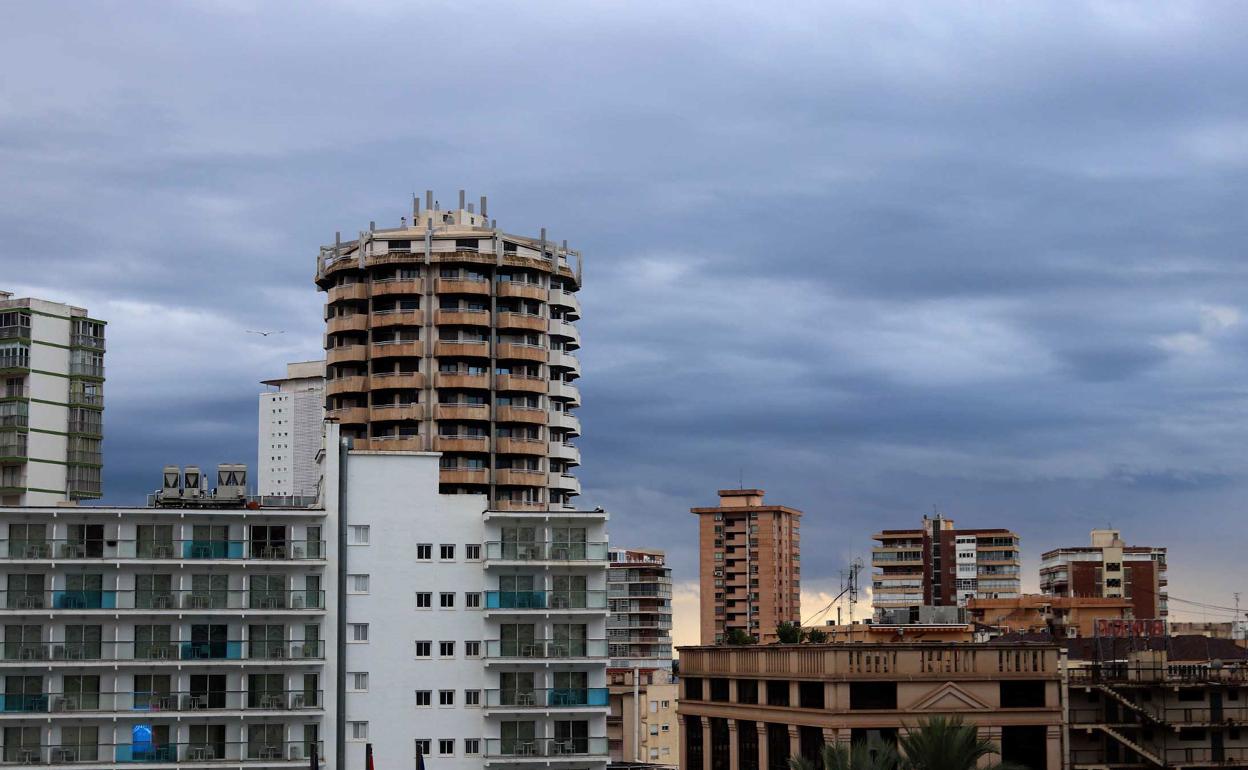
<point x="446" y="334"/>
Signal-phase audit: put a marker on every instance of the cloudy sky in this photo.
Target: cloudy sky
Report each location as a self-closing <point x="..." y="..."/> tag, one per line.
<point x="875" y="258"/>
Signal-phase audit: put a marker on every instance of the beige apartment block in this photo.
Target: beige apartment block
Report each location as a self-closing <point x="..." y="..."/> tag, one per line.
<point x="642" y="725"/>
<point x="749" y="566"/>
<point x="754" y="707"/>
<point x="447" y="334"/>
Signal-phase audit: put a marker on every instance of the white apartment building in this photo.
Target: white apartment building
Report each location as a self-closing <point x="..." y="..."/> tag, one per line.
<point x="167" y="635"/>
<point x="474" y="637"/>
<point x="51" y="402"/>
<point x="292" y="419"/>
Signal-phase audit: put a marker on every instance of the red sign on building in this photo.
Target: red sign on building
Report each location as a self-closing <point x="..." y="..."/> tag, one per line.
<point x="1129" y="629"/>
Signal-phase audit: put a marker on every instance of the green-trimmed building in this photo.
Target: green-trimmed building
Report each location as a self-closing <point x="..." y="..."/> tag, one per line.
<point x="51" y="402"/>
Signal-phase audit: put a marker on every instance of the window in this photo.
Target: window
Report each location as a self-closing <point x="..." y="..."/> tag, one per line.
<point x="359" y="632"/>
<point x="472" y="600"/>
<point x="424" y="552"/>
<point x="422" y="747"/>
<point x="472" y="649"/>
<point x="358" y="730"/>
<point x="358" y="584"/>
<point x="446" y="747"/>
<point x="472" y="746"/>
<point x="359" y="534"/>
<point x="472" y="697"/>
<point x="446" y="552"/>
<point x="446" y="600"/>
<point x="446" y="649"/>
<point x="424" y="600"/>
<point x="446" y="697"/>
<point x="423" y="649"/>
<point x="472" y="552"/>
<point x="359" y="681"/>
<point x="424" y="697"/>
<point x="1022" y="694"/>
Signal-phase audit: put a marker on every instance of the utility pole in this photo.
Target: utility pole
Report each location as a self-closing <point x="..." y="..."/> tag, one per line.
<point x="1235" y="625"/>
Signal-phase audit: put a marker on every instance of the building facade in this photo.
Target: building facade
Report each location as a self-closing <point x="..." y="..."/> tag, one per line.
<point x="447" y="334"/>
<point x="642" y="726"/>
<point x="939" y="565"/>
<point x="51" y="402"/>
<point x="474" y="637"/>
<point x="749" y="566"/>
<point x="1109" y="568"/>
<point x="1062" y="616"/>
<point x="167" y="635"/>
<point x="639" y="595"/>
<point x="292" y="425"/>
<point x="753" y="707"/>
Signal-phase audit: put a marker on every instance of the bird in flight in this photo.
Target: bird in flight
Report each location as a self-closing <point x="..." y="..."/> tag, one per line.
<point x="263" y="334"/>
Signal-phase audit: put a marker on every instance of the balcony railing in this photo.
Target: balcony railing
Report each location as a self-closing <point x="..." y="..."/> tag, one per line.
<point x="546" y="648"/>
<point x="77" y="368"/>
<point x="162" y="701"/>
<point x="554" y="697"/>
<point x="182" y="600"/>
<point x="86" y="341"/>
<point x="14" y="332"/>
<point x="545" y="600"/>
<point x="14" y="448"/>
<point x="70" y="549"/>
<point x="545" y="551"/>
<point x="159" y="752"/>
<point x="24" y="652"/>
<point x="546" y="747"/>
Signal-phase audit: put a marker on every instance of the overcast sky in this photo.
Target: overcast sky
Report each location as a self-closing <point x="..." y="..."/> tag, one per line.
<point x="875" y="258"/>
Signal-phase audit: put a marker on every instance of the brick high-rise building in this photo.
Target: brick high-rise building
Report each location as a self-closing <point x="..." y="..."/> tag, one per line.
<point x="1109" y="568"/>
<point x="749" y="566"/>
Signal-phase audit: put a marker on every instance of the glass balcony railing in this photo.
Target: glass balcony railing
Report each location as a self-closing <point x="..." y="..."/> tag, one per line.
<point x="545" y="600"/>
<point x="545" y="551"/>
<point x="36" y="703"/>
<point x="554" y="697"/>
<point x="242" y="599"/>
<point x="62" y="549"/>
<point x="163" y="651"/>
<point x="257" y="750"/>
<point x="546" y="648"/>
<point x="162" y="701"/>
<point x="545" y="747"/>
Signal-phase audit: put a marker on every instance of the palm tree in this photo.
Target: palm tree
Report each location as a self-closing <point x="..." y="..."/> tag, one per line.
<point x="859" y="756"/>
<point x="946" y="743"/>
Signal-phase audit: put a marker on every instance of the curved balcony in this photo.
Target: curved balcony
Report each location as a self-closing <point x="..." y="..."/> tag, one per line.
<point x="458" y="286"/>
<point x="411" y="349"/>
<point x="356" y="322"/>
<point x="564" y="391"/>
<point x="520" y="382"/>
<point x="358" y="291"/>
<point x="471" y="348"/>
<point x="565" y="421"/>
<point x="565" y="299"/>
<point x="561" y="328"/>
<point x="519" y="477"/>
<point x="461" y="380"/>
<point x="386" y="413"/>
<point x="345" y="354"/>
<point x="526" y="321"/>
<point x="463" y="412"/>
<point x="350" y="415"/>
<point x="396" y="286"/>
<point x="521" y="290"/>
<point x="461" y="444"/>
<point x="397" y="257"/>
<point x="354" y="384"/>
<point x="392" y="443"/>
<point x="464" y="476"/>
<point x="520" y="446"/>
<point x="564" y="482"/>
<point x="566" y="452"/>
<point x="382" y="319"/>
<point x="397" y="380"/>
<point x="565" y="360"/>
<point x="462" y="317"/>
<point x="521" y="352"/>
<point x="525" y="414"/>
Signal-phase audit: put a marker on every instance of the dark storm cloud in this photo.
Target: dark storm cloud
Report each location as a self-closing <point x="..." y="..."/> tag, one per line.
<point x="872" y="258"/>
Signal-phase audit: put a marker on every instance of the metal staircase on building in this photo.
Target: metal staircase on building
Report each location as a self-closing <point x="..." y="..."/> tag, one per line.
<point x="1148" y="714"/>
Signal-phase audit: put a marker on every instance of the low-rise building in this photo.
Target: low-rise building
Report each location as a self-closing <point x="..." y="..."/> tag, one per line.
<point x="754" y="707"/>
<point x="642" y="726"/>
<point x="1063" y="616"/>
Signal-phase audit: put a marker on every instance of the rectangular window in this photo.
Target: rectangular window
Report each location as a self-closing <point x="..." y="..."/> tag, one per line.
<point x="472" y="552"/>
<point x="446" y="649"/>
<point x="422" y="747"/>
<point x="424" y="697"/>
<point x="472" y="649"/>
<point x="446" y="747"/>
<point x="472" y="600"/>
<point x="358" y="583"/>
<point x="424" y="552"/>
<point x="358" y="730"/>
<point x="358" y="680"/>
<point x="472" y="746"/>
<point x="424" y="649"/>
<point x="359" y="534"/>
<point x="446" y="552"/>
<point x="446" y="600"/>
<point x="424" y="600"/>
<point x="359" y="632"/>
<point x="446" y="697"/>
<point x="472" y="697"/>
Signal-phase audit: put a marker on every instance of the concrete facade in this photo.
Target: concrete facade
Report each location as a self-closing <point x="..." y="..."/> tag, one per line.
<point x="51" y="402"/>
<point x="1063" y="616"/>
<point x="643" y="726"/>
<point x="749" y="566"/>
<point x="291" y="434"/>
<point x="1109" y="568"/>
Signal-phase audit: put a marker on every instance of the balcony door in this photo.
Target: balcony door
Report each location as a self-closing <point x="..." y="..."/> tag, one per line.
<point x="520" y="543"/>
<point x="571" y="737"/>
<point x="209" y="640"/>
<point x="516" y="688"/>
<point x="153" y="642"/>
<point x="516" y="591"/>
<point x="518" y="640"/>
<point x="208" y="741"/>
<point x="208" y="691"/>
<point x="518" y="738"/>
<point x="569" y="592"/>
<point x="86" y="540"/>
